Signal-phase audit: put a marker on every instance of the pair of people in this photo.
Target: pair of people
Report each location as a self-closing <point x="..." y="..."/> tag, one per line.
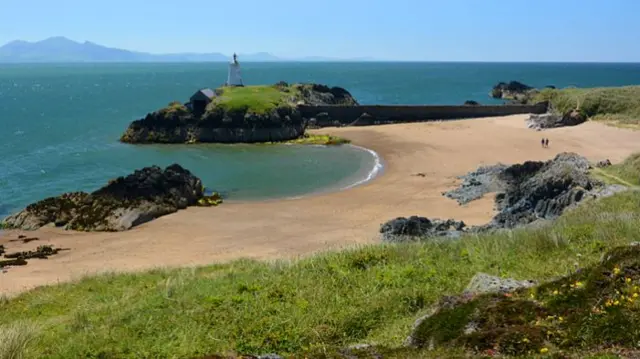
<point x="545" y="142"/>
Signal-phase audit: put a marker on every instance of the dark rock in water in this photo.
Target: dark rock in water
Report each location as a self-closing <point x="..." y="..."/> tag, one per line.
<point x="182" y="123"/>
<point x="415" y="228"/>
<point x="550" y="87"/>
<point x="124" y="203"/>
<point x="603" y="163"/>
<point x="478" y="183"/>
<point x="514" y="91"/>
<point x="471" y="103"/>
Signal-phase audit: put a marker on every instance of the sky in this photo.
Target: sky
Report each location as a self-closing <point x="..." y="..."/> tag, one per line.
<point x="405" y="30"/>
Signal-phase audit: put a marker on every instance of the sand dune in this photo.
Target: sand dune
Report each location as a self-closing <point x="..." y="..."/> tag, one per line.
<point x="290" y="228"/>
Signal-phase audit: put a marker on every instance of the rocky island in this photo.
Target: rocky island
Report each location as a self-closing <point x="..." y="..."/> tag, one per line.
<point x="123" y="203"/>
<point x="236" y="114"/>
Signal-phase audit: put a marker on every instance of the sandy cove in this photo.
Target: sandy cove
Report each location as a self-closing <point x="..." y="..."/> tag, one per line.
<point x="291" y="228"/>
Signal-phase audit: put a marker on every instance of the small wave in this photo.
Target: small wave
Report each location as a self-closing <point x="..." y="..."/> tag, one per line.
<point x="377" y="168"/>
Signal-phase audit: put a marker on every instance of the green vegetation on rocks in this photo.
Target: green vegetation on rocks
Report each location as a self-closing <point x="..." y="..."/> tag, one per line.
<point x="617" y="105"/>
<point x="250" y="114"/>
<point x="371" y="294"/>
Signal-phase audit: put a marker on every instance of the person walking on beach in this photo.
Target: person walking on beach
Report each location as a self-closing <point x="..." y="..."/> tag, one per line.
<point x="543" y="142"/>
<point x="546" y="143"/>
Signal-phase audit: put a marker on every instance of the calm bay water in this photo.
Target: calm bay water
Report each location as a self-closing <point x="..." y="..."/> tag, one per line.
<point x="59" y="124"/>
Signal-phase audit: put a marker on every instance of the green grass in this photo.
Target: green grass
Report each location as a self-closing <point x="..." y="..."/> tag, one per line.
<point x="617" y="105"/>
<point x="314" y="139"/>
<point x="628" y="172"/>
<point x="254" y="99"/>
<point x="370" y="294"/>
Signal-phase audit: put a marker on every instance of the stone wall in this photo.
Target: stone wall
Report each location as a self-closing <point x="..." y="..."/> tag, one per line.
<point x="381" y="114"/>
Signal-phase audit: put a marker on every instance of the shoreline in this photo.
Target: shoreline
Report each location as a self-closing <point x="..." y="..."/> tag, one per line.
<point x="289" y="229"/>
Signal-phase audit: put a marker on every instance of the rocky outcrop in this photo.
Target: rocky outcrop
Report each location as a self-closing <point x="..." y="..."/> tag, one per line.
<point x="513" y="91"/>
<point x="481" y="283"/>
<point x="542" y="190"/>
<point x="552" y="120"/>
<point x="531" y="191"/>
<point x="178" y="123"/>
<point x="588" y="310"/>
<point x="122" y="204"/>
<point x="415" y="228"/>
<point x="478" y="183"/>
<point x="471" y="103"/>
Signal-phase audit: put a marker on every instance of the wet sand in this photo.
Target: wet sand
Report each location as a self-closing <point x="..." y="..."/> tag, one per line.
<point x="296" y="227"/>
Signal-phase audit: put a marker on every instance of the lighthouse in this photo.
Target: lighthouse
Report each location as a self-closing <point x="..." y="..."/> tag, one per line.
<point x="234" y="78"/>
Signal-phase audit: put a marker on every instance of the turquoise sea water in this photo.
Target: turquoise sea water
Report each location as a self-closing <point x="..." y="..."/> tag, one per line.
<point x="59" y="124"/>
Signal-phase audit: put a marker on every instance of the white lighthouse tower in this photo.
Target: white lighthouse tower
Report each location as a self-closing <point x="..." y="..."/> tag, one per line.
<point x="234" y="78"/>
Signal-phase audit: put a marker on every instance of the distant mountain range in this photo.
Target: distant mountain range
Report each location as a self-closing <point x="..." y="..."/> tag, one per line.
<point x="60" y="49"/>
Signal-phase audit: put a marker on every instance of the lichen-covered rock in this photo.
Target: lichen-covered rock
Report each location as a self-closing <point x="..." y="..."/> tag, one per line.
<point x="483" y="283"/>
<point x="415" y="228"/>
<point x="592" y="308"/>
<point x="552" y="120"/>
<point x="120" y="205"/>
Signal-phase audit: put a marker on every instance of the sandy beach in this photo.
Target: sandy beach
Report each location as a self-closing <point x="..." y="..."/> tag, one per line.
<point x="292" y="228"/>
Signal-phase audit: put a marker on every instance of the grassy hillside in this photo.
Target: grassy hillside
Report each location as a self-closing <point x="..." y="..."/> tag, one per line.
<point x="367" y="295"/>
<point x="254" y="99"/>
<point x="619" y="105"/>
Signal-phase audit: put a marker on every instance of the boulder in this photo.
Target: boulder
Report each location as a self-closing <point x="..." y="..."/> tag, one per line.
<point x="415" y="228"/>
<point x="483" y="283"/>
<point x="551" y="120"/>
<point x="477" y="183"/>
<point x="471" y="103"/>
<point x="603" y="163"/>
<point x="542" y="190"/>
<point x="531" y="191"/>
<point x="573" y="118"/>
<point x="480" y="284"/>
<point x="120" y="205"/>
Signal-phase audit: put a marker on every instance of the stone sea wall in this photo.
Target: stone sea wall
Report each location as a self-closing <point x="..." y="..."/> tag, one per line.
<point x="380" y="114"/>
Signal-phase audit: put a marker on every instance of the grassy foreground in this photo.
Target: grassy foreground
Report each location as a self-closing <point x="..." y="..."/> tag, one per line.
<point x="617" y="105"/>
<point x="366" y="295"/>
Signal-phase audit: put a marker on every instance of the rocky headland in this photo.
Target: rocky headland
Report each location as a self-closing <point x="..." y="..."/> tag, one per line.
<point x="123" y="203"/>
<point x="513" y="91"/>
<point x="251" y="114"/>
<point x="525" y="194"/>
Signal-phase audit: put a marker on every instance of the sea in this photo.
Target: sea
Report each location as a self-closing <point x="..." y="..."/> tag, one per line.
<point x="60" y="123"/>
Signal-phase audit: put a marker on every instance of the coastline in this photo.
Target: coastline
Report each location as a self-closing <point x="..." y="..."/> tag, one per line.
<point x="287" y="229"/>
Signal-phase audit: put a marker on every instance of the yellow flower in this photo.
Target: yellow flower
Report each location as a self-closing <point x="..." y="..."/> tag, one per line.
<point x="525" y="340"/>
<point x="616" y="302"/>
<point x="616" y="270"/>
<point x="561" y="319"/>
<point x="555" y="292"/>
<point x="579" y="284"/>
<point x="628" y="280"/>
<point x="544" y="350"/>
<point x="635" y="295"/>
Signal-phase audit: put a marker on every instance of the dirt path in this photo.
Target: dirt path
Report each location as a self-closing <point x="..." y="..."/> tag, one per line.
<point x="291" y="228"/>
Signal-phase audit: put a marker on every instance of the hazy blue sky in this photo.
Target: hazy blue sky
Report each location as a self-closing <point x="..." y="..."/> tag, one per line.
<point x="450" y="30"/>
